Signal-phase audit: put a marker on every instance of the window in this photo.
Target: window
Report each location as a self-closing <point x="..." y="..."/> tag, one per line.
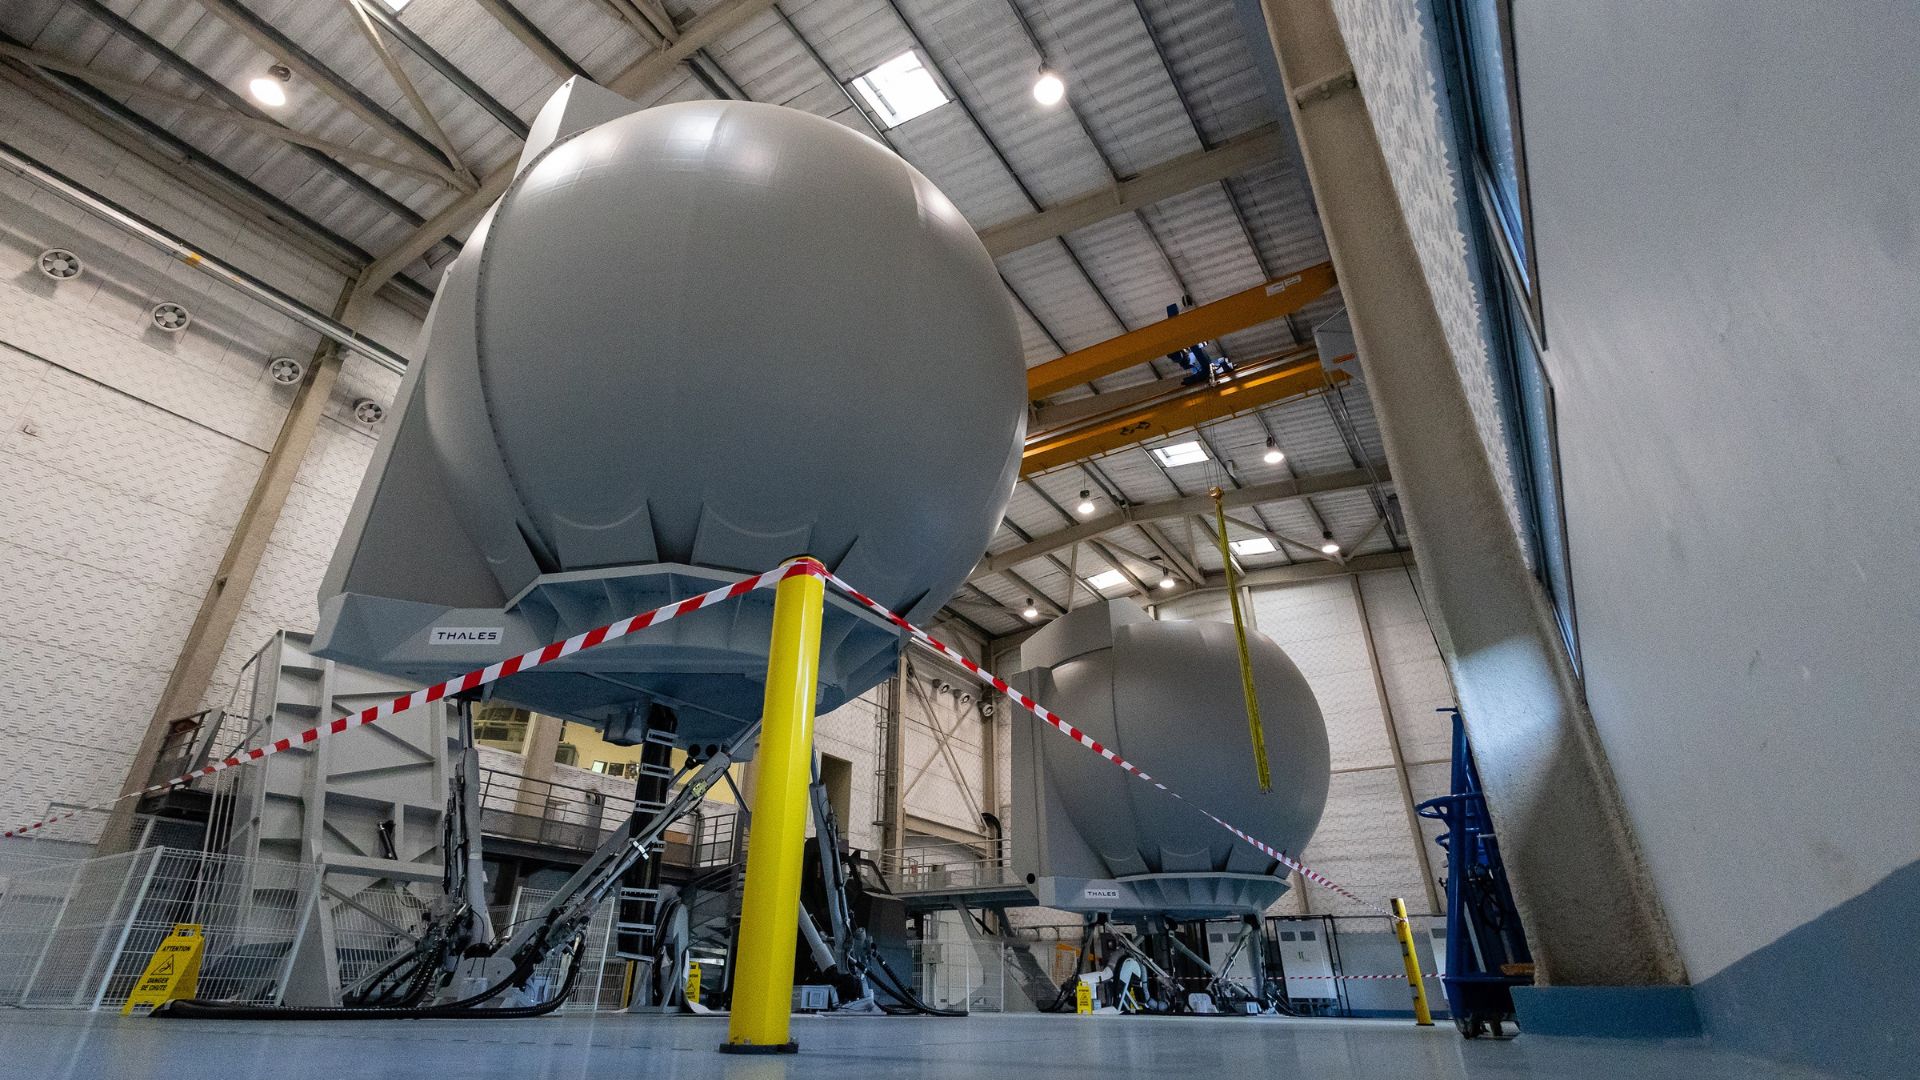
<point x="500" y="727"/>
<point x="1536" y="432"/>
<point x="1483" y="36"/>
<point x="566" y="754"/>
<point x="1477" y="56"/>
<point x="1107" y="579"/>
<point x="1258" y="545"/>
<point x="900" y="89"/>
<point x="628" y="769"/>
<point x="1181" y="453"/>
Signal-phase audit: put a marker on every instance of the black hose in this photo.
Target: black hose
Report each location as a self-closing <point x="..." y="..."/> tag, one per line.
<point x="1060" y="1000"/>
<point x="194" y="1009"/>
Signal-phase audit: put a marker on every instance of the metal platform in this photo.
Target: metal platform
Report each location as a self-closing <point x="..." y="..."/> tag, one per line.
<point x="940" y="875"/>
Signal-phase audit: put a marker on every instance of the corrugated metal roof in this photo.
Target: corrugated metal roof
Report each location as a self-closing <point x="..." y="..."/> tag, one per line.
<point x="1147" y="82"/>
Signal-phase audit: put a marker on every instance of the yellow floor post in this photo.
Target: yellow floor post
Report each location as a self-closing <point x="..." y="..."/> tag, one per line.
<point x="1403" y="930"/>
<point x="770" y="910"/>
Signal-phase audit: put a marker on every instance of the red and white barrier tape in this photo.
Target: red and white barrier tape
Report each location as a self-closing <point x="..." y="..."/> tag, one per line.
<point x="1362" y="978"/>
<point x="546" y="654"/>
<point x="1043" y="713"/>
<point x="600" y="635"/>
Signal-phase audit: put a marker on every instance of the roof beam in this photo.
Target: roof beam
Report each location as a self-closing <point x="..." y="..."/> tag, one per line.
<point x="1260" y="146"/>
<point x="213" y="88"/>
<point x="201" y="107"/>
<point x="1312" y="550"/>
<point x="724" y="18"/>
<point x="381" y="13"/>
<point x="537" y="42"/>
<point x="304" y="64"/>
<point x="357" y="9"/>
<point x="1251" y="307"/>
<point x="1118" y="561"/>
<point x="1039" y="595"/>
<point x="635" y="21"/>
<point x="1306" y="571"/>
<point x="1251" y="387"/>
<point x="107" y="118"/>
<point x="1165" y="545"/>
<point x="1140" y="513"/>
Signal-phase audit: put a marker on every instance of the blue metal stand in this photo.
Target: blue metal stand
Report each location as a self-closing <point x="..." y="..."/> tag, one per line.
<point x="1486" y="947"/>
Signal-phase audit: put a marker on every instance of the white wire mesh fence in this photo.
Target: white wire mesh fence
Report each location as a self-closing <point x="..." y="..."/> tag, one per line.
<point x="602" y="982"/>
<point x="963" y="975"/>
<point x="372" y="925"/>
<point x="77" y="935"/>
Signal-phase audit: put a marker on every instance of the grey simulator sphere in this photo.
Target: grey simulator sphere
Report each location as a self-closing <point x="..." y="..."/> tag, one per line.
<point x="1167" y="695"/>
<point x="723" y="334"/>
<point x="687" y="343"/>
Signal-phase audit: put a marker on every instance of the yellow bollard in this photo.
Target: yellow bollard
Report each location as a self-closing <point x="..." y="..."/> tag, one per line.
<point x="770" y="910"/>
<point x="1403" y="930"/>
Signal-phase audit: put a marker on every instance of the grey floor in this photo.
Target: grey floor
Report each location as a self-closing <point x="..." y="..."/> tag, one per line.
<point x="79" y="1046"/>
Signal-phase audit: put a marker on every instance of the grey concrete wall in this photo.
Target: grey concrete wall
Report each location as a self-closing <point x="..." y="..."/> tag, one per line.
<point x="1729" y="246"/>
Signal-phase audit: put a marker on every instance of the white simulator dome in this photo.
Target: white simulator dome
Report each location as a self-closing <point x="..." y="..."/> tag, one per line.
<point x="688" y="343"/>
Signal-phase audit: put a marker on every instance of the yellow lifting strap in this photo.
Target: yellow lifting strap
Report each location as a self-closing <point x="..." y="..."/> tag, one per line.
<point x="1246" y="660"/>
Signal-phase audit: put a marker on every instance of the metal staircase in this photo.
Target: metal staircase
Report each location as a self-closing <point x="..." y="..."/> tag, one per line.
<point x="369" y="809"/>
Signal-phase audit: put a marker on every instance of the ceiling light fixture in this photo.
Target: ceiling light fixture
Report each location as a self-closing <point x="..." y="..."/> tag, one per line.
<point x="1167" y="582"/>
<point x="1031" y="612"/>
<point x="1086" y="503"/>
<point x="271" y="89"/>
<point x="1328" y="545"/>
<point x="1274" y="456"/>
<point x="1049" y="88"/>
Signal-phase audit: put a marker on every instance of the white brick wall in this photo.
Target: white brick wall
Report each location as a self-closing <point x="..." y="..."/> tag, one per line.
<point x="1410" y="664"/>
<point x="287" y="582"/>
<point x="934" y="791"/>
<point x="113" y="516"/>
<point x="127" y="456"/>
<point x="1318" y="626"/>
<point x="852" y="733"/>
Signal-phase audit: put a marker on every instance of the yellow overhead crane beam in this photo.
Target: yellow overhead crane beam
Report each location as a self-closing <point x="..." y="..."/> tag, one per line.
<point x="1262" y="303"/>
<point x="1253" y="385"/>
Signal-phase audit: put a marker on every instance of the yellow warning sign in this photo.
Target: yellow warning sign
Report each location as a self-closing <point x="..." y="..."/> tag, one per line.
<point x="172" y="972"/>
<point x="1083" y="998"/>
<point x="693" y="982"/>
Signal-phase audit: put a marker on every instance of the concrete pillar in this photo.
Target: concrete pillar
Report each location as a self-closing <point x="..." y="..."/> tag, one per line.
<point x="1584" y="893"/>
<point x="543" y="742"/>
